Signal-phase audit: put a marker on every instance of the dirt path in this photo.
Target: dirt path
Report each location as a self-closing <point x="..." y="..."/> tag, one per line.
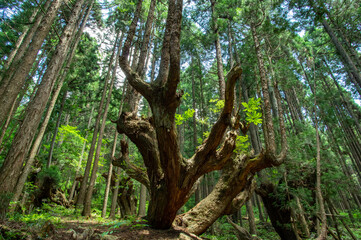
<point x="70" y="229"/>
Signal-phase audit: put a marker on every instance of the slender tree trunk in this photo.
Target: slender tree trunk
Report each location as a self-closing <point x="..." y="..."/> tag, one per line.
<point x="12" y="82"/>
<point x="110" y="173"/>
<point x="142" y="200"/>
<point x="195" y="142"/>
<point x="259" y="206"/>
<point x="301" y="215"/>
<point x="348" y="63"/>
<point x="323" y="232"/>
<point x="26" y="36"/>
<point x="75" y="182"/>
<point x="84" y="183"/>
<point x="221" y="82"/>
<point x="87" y="201"/>
<point x="251" y="219"/>
<point x="115" y="194"/>
<point x="57" y="125"/>
<point x="11" y="168"/>
<point x="107" y="188"/>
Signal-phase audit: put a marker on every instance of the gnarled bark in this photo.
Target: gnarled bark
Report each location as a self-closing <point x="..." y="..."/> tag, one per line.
<point x="171" y="176"/>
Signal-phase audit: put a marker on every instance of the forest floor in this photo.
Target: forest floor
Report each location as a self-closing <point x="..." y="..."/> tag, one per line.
<point x="65" y="228"/>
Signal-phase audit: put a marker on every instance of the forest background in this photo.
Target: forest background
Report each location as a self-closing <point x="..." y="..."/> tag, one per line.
<point x="227" y="119"/>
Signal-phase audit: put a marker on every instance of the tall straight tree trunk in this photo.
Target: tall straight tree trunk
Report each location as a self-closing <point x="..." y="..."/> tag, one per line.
<point x="24" y="39"/>
<point x="259" y="206"/>
<point x="198" y="190"/>
<point x="251" y="219"/>
<point x="55" y="133"/>
<point x="34" y="149"/>
<point x="84" y="182"/>
<point x="12" y="165"/>
<point x="346" y="60"/>
<point x="12" y="82"/>
<point x="115" y="194"/>
<point x="142" y="200"/>
<point x="301" y="216"/>
<point x="17" y="102"/>
<point x="110" y="173"/>
<point x="323" y="231"/>
<point x="221" y="82"/>
<point x="87" y="201"/>
<point x="118" y="169"/>
<point x="75" y="182"/>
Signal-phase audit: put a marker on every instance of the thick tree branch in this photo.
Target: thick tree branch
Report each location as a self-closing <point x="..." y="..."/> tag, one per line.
<point x="224" y="120"/>
<point x="241" y="198"/>
<point x="133" y="77"/>
<point x="146" y="37"/>
<point x="131" y="32"/>
<point x="135" y="80"/>
<point x="174" y="69"/>
<point x="142" y="134"/>
<point x="131" y="169"/>
<point x="165" y="55"/>
<point x="236" y="176"/>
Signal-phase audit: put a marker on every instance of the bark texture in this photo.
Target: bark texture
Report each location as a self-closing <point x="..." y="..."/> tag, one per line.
<point x="169" y="176"/>
<point x="11" y="168"/>
<point x="12" y="81"/>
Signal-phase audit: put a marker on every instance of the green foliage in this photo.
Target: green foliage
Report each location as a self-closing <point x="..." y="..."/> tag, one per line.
<point x="180" y="119"/>
<point x="38" y="217"/>
<point x="252" y="109"/>
<point x="131" y="221"/>
<point x="253" y="115"/>
<point x="242" y="144"/>
<point x="219" y="105"/>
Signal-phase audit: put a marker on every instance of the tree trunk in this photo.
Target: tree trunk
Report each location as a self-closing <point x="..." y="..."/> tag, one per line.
<point x="217" y="44"/>
<point x="301" y="216"/>
<point x="12" y="165"/>
<point x="87" y="201"/>
<point x="259" y="206"/>
<point x="251" y="219"/>
<point x="57" y="125"/>
<point x="323" y="232"/>
<point x="12" y="82"/>
<point x="115" y="194"/>
<point x="142" y="200"/>
<point x="346" y="60"/>
<point x="110" y="173"/>
<point x="84" y="183"/>
<point x="28" y="33"/>
<point x="169" y="175"/>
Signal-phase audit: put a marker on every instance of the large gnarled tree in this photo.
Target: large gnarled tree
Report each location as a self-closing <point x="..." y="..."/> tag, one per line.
<point x="169" y="176"/>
